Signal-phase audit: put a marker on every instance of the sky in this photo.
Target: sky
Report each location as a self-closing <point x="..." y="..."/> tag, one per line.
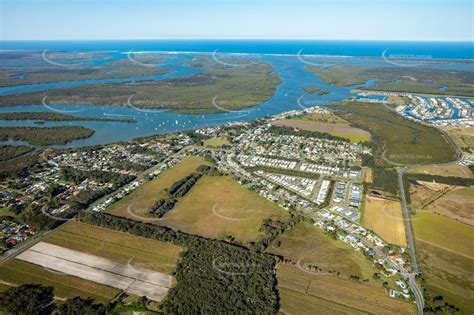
<point x="432" y="20"/>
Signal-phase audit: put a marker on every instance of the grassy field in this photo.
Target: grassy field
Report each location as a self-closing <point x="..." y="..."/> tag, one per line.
<point x="219" y="207"/>
<point x="384" y="217"/>
<point x="463" y="137"/>
<point x="445" y="249"/>
<point x="306" y="245"/>
<point x="306" y="293"/>
<point x="45" y="136"/>
<point x="328" y="123"/>
<point x="144" y="197"/>
<point x="120" y="247"/>
<point x="368" y="175"/>
<point x="412" y="143"/>
<point x="216" y="142"/>
<point x="218" y="89"/>
<point x="17" y="272"/>
<point x="454" y="202"/>
<point x="455" y="170"/>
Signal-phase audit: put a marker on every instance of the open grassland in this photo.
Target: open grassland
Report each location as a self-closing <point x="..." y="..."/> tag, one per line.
<point x="384" y="217"/>
<point x="216" y="142"/>
<point x="399" y="79"/>
<point x="45" y="136"/>
<point x="445" y="252"/>
<point x="136" y="204"/>
<point x="347" y="132"/>
<point x="218" y="89"/>
<point x="306" y="245"/>
<point x="17" y="272"/>
<point x="454" y="202"/>
<point x="455" y="170"/>
<point x="219" y="207"/>
<point x="119" y="247"/>
<point x="306" y="293"/>
<point x="412" y="143"/>
<point x="463" y="137"/>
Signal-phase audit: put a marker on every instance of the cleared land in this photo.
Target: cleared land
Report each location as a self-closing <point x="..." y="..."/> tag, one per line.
<point x="216" y="142"/>
<point x="45" y="136"/>
<point x="119" y="247"/>
<point x="18" y="272"/>
<point x="306" y="245"/>
<point x="412" y="143"/>
<point x="136" y="205"/>
<point x="454" y="202"/>
<point x="305" y="293"/>
<point x="445" y="252"/>
<point x="384" y="217"/>
<point x="219" y="207"/>
<point x="368" y="175"/>
<point x="455" y="170"/>
<point x="138" y="281"/>
<point x="353" y="134"/>
<point x="218" y="89"/>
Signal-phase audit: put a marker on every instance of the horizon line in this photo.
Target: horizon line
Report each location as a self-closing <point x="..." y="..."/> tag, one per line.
<point x="248" y="38"/>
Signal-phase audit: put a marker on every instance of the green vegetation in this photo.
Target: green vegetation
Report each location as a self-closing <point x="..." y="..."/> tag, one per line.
<point x="444" y="250"/>
<point x="320" y="91"/>
<point x="45" y="116"/>
<point x="304" y="133"/>
<point x="8" y="152"/>
<point x="412" y="143"/>
<point x="385" y="179"/>
<point x="219" y="207"/>
<point x="216" y="142"/>
<point x="448" y="180"/>
<point x="217" y="89"/>
<point x="400" y="79"/>
<point x="45" y="136"/>
<point x="212" y="276"/>
<point x="120" y="247"/>
<point x="18" y="272"/>
<point x="138" y="203"/>
<point x="123" y="68"/>
<point x="27" y="299"/>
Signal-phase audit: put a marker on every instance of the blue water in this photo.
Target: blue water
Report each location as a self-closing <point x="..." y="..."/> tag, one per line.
<point x="449" y="50"/>
<point x="281" y="54"/>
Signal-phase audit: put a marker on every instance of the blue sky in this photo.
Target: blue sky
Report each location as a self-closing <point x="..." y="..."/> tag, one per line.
<point x="318" y="19"/>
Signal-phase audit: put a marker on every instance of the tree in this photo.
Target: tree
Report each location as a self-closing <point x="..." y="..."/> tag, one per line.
<point x="28" y="299"/>
<point x="81" y="306"/>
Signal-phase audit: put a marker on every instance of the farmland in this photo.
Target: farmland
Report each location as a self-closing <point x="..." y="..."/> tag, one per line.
<point x="306" y="293"/>
<point x="149" y="193"/>
<point x="218" y="207"/>
<point x="119" y="247"/>
<point x="413" y="143"/>
<point x="17" y="272"/>
<point x="444" y="249"/>
<point x="384" y="217"/>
